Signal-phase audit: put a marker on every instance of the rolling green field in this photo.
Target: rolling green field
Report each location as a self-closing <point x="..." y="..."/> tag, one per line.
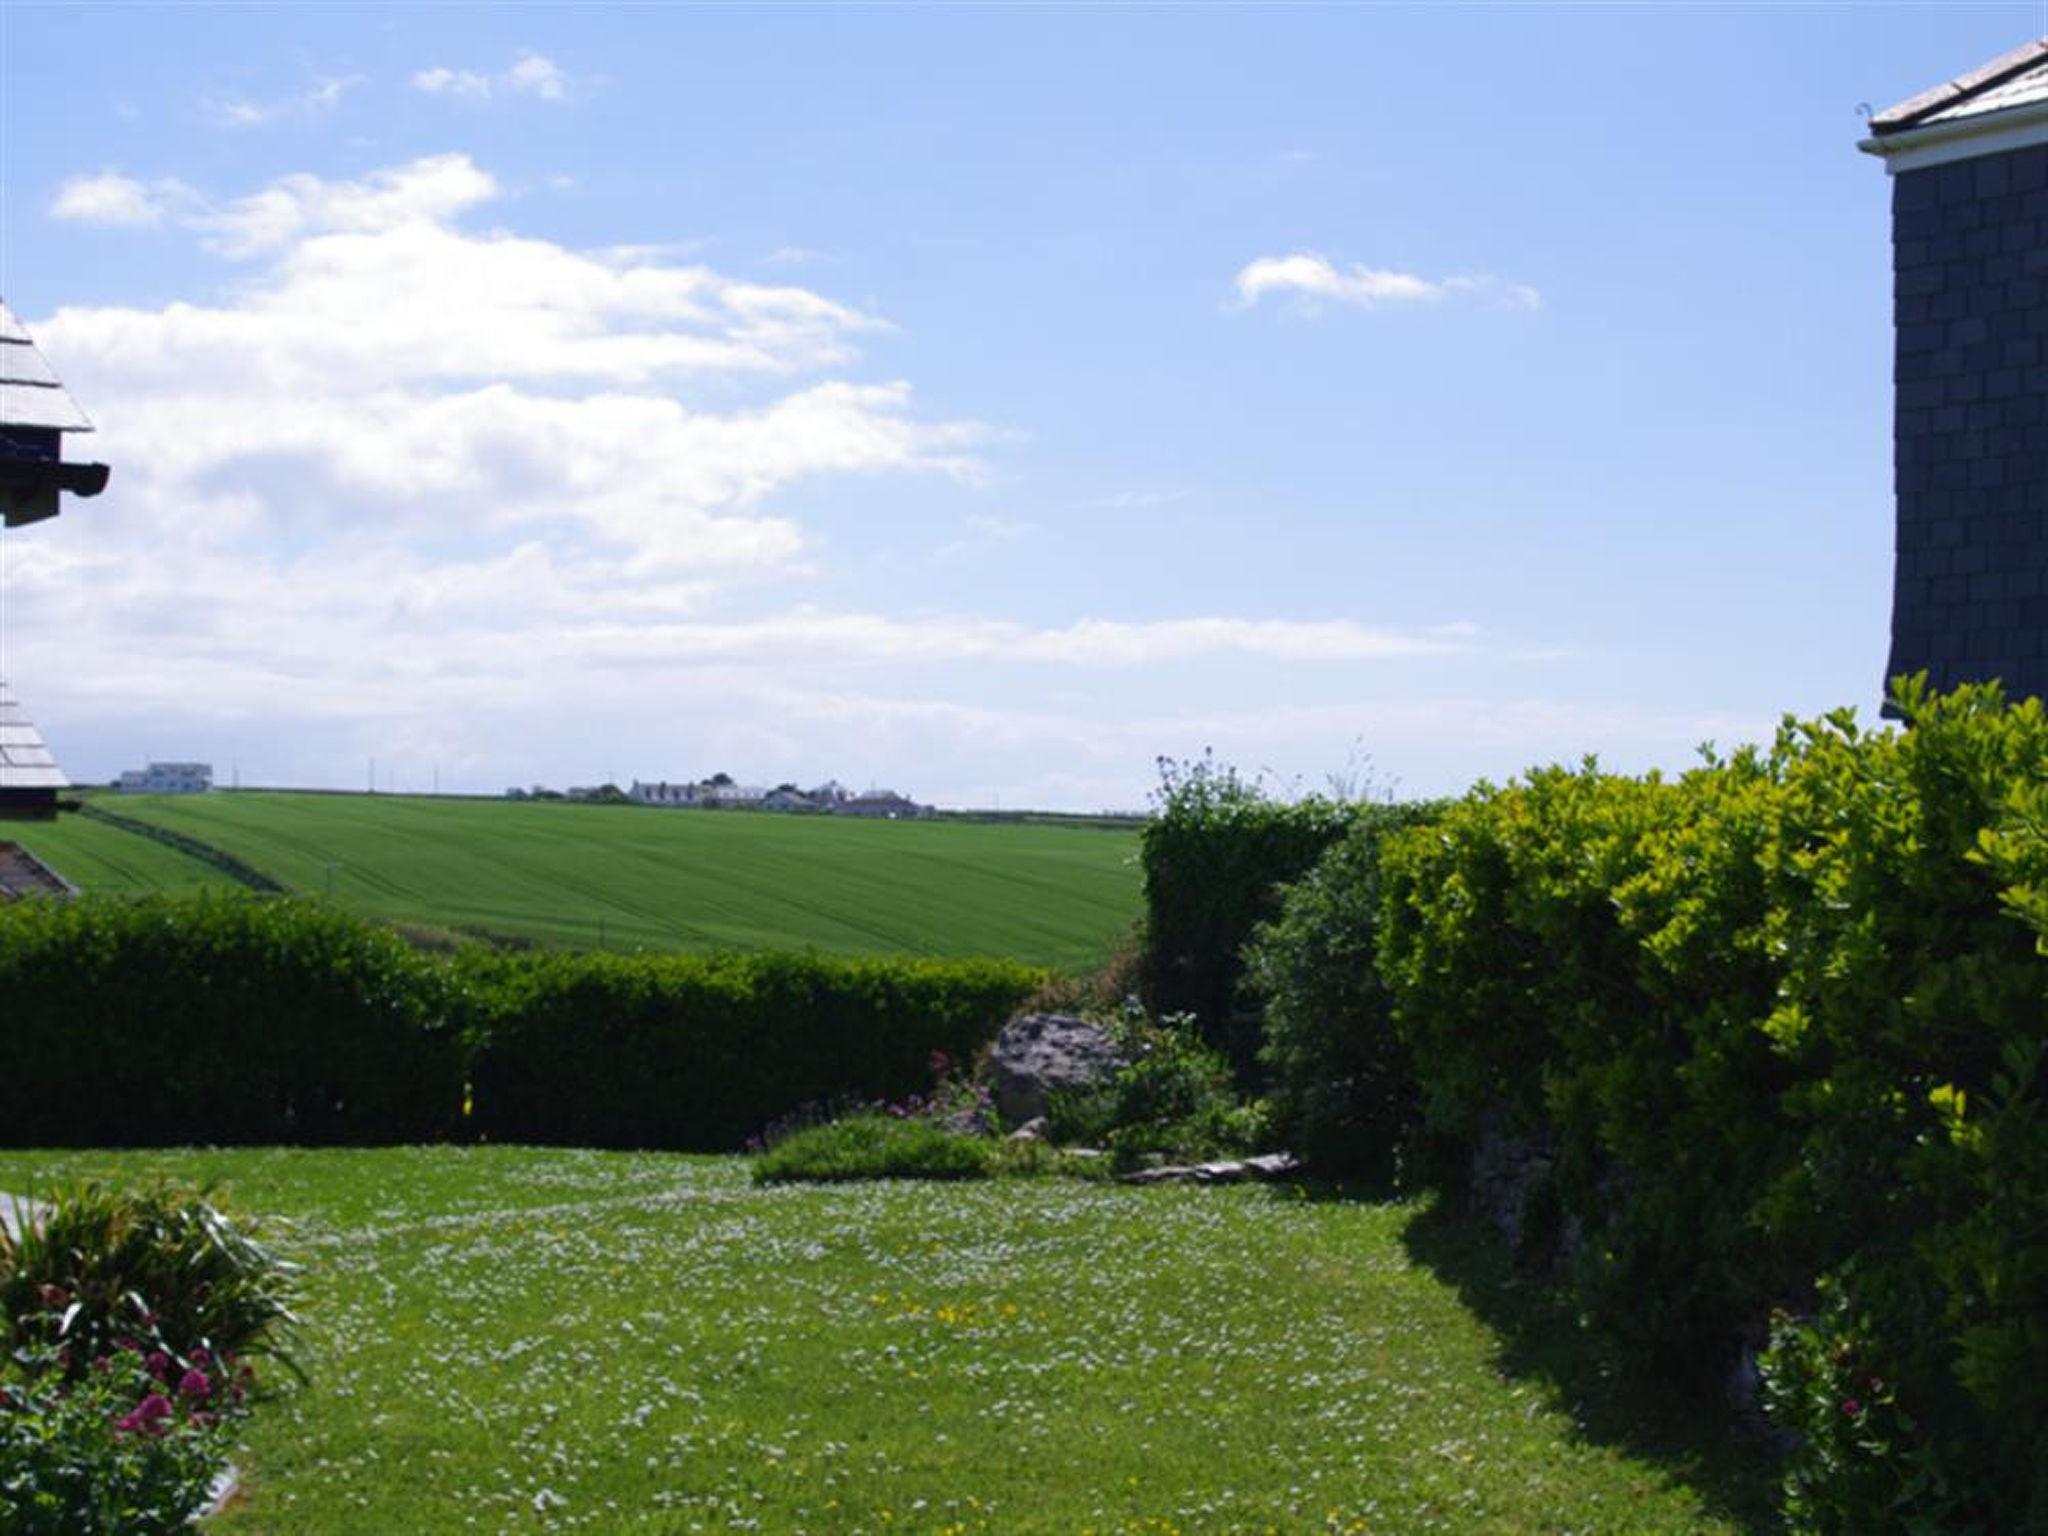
<point x="507" y="1339"/>
<point x="96" y="857"/>
<point x="620" y="877"/>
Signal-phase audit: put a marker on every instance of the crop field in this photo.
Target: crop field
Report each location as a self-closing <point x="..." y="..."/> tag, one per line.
<point x="100" y="858"/>
<point x="619" y="877"/>
<point x="511" y="1339"/>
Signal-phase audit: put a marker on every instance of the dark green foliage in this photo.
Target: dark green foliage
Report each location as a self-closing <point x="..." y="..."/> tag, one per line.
<point x="127" y="1319"/>
<point x="100" y="1264"/>
<point x="223" y="1020"/>
<point x="696" y="1053"/>
<point x="876" y="1146"/>
<point x="69" y="1468"/>
<point x="1215" y="857"/>
<point x="1782" y="1021"/>
<point x="1173" y="1097"/>
<point x="1343" y="1093"/>
<point x="236" y="1021"/>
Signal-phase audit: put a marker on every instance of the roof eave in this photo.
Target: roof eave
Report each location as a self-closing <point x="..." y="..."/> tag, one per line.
<point x="1983" y="78"/>
<point x="1962" y="138"/>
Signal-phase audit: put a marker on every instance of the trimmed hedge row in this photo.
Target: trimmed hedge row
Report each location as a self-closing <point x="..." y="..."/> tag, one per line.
<point x="219" y="1019"/>
<point x="1781" y="1026"/>
<point x="1215" y="858"/>
<point x="234" y="1020"/>
<point x="697" y="1053"/>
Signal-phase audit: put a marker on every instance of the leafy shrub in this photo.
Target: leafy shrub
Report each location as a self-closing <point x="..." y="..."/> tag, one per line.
<point x="1173" y="1097"/>
<point x="1782" y="1022"/>
<point x="128" y="1317"/>
<point x="1215" y="855"/>
<point x="116" y="1452"/>
<point x="1343" y="1095"/>
<point x="694" y="1053"/>
<point x="876" y="1146"/>
<point x="222" y="1020"/>
<point x="99" y="1266"/>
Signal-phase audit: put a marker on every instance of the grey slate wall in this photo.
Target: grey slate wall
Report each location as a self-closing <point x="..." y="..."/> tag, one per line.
<point x="1970" y="298"/>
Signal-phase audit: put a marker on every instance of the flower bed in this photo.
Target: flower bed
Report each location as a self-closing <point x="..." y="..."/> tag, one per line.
<point x="129" y="1316"/>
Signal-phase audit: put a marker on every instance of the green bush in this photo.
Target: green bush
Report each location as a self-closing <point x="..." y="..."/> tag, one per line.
<point x="876" y="1146"/>
<point x="1343" y="1095"/>
<point x="128" y="1319"/>
<point x="1172" y="1098"/>
<point x="1782" y="1023"/>
<point x="96" y="1265"/>
<point x="218" y="1020"/>
<point x="110" y="1454"/>
<point x="696" y="1053"/>
<point x="236" y="1020"/>
<point x="1215" y="855"/>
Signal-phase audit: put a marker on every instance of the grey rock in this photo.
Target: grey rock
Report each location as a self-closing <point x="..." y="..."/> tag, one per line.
<point x="1038" y="1052"/>
<point x="1274" y="1165"/>
<point x="1031" y="1130"/>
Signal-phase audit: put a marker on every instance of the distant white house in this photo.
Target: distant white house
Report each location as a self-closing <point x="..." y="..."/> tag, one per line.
<point x="662" y="792"/>
<point x="167" y="779"/>
<point x="707" y="794"/>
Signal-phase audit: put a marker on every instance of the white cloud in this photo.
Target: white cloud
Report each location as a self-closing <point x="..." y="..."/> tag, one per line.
<point x="442" y="81"/>
<point x="1136" y="501"/>
<point x="318" y="99"/>
<point x="111" y="198"/>
<point x="1311" y="280"/>
<point x="479" y="432"/>
<point x="516" y="502"/>
<point x="530" y="74"/>
<point x="538" y="75"/>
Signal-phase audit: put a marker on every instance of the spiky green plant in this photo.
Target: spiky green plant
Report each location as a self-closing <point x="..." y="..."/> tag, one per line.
<point x="89" y="1265"/>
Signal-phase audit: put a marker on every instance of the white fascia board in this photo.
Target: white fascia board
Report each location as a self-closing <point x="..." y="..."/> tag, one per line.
<point x="1962" y="138"/>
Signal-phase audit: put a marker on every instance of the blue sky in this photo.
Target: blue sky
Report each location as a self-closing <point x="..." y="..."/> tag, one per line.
<point x="979" y="401"/>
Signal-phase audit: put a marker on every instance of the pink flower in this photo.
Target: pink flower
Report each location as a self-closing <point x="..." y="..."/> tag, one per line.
<point x="52" y="1296"/>
<point x="150" y="1416"/>
<point x="1851" y="1407"/>
<point x="159" y="1364"/>
<point x="193" y="1384"/>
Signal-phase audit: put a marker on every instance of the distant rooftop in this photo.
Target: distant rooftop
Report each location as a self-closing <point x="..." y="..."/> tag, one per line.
<point x="25" y="763"/>
<point x="31" y="394"/>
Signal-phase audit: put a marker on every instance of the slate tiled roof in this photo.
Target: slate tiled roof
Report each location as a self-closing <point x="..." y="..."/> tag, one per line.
<point x="2015" y="79"/>
<point x="31" y="395"/>
<point x="25" y="763"/>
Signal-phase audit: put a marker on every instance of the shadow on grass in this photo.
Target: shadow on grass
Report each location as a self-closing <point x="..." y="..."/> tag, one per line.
<point x="1698" y="1444"/>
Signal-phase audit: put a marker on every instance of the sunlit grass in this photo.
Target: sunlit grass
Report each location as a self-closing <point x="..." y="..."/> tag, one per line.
<point x="517" y="1339"/>
<point x="588" y="876"/>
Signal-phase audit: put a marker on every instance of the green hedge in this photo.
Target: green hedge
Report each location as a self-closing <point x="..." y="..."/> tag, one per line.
<point x="159" y="1022"/>
<point x="1343" y="1092"/>
<point x="1781" y="1022"/>
<point x="236" y="1020"/>
<point x="697" y="1053"/>
<point x="1215" y="857"/>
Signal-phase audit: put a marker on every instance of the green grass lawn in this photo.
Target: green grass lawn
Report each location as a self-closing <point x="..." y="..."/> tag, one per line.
<point x="619" y="877"/>
<point x="97" y="857"/>
<point x="507" y="1339"/>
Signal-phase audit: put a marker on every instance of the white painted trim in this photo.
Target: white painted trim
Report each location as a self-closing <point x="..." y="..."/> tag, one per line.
<point x="1962" y="138"/>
